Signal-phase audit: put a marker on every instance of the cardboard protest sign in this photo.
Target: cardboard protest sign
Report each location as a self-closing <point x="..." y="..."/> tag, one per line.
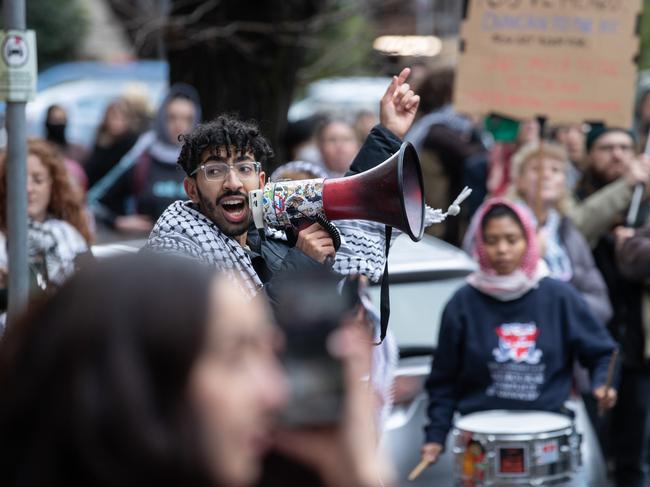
<point x="566" y="60"/>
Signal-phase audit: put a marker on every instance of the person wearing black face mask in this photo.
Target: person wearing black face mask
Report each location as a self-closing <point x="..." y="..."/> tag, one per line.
<point x="55" y="126"/>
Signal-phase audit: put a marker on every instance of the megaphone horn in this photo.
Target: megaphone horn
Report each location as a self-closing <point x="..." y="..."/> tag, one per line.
<point x="391" y="193"/>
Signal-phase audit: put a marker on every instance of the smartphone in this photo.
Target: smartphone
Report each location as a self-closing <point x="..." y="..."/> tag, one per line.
<point x="310" y="307"/>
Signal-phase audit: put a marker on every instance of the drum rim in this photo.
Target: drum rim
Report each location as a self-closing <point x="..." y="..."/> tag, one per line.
<point x="546" y="435"/>
<point x="570" y="422"/>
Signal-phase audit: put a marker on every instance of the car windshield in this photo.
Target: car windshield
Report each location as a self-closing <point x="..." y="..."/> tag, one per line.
<point x="416" y="308"/>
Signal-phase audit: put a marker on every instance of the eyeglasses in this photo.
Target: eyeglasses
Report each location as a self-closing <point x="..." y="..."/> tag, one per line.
<point x="218" y="171"/>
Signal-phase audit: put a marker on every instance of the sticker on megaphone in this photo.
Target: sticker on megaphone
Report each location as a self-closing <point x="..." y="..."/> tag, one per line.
<point x="284" y="204"/>
<point x="391" y="193"/>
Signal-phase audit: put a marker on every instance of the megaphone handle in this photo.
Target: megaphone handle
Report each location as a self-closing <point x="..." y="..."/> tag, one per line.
<point x="326" y="224"/>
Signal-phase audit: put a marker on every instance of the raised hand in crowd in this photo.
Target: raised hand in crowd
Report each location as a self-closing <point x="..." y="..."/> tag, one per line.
<point x="638" y="171"/>
<point x="315" y="242"/>
<point x="346" y="454"/>
<point x="399" y="105"/>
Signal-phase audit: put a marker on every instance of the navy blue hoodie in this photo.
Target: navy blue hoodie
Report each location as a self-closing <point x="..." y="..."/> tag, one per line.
<point x="512" y="355"/>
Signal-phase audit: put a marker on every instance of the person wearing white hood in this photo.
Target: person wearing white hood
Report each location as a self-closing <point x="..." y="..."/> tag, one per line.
<point x="152" y="182"/>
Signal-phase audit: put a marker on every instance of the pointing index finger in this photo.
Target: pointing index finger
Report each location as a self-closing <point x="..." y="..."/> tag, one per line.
<point x="403" y="75"/>
<point x="390" y="91"/>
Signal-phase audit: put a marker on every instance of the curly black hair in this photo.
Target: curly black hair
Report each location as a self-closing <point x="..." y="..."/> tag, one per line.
<point x="225" y="131"/>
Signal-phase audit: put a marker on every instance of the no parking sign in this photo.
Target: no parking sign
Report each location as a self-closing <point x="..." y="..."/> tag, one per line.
<point x="17" y="65"/>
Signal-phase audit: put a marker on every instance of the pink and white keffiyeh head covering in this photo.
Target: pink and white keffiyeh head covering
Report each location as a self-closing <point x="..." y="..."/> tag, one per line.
<point x="531" y="270"/>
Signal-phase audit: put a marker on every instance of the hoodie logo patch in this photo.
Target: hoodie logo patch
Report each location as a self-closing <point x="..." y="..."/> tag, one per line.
<point x="518" y="343"/>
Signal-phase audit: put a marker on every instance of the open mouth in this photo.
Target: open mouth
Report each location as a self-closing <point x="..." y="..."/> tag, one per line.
<point x="234" y="208"/>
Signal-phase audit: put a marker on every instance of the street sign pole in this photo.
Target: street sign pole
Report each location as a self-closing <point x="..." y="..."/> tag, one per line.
<point x="14" y="17"/>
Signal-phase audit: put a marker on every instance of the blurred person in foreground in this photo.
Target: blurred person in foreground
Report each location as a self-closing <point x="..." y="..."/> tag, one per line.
<point x="140" y="371"/>
<point x="56" y="123"/>
<point x="58" y="233"/>
<point x="151" y="370"/>
<point x="477" y="367"/>
<point x="327" y="435"/>
<point x="223" y="161"/>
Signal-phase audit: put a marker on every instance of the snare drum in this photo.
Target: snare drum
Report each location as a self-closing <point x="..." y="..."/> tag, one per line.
<point x="505" y="448"/>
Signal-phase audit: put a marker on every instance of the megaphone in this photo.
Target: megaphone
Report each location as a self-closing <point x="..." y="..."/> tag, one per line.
<point x="391" y="193"/>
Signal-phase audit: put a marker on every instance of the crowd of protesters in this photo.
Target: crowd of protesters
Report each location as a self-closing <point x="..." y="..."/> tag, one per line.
<point x="132" y="371"/>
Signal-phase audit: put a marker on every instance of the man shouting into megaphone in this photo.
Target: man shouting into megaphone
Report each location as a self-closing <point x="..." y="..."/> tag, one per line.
<point x="223" y="160"/>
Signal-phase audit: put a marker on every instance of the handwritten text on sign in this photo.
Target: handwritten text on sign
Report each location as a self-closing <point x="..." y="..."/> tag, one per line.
<point x="568" y="60"/>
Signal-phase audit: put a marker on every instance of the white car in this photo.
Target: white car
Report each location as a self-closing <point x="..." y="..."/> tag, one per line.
<point x="85" y="102"/>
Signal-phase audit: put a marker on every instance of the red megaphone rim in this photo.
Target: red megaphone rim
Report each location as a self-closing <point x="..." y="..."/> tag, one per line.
<point x="411" y="190"/>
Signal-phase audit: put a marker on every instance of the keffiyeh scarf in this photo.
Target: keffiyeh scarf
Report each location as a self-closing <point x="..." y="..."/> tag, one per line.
<point x="556" y="256"/>
<point x="183" y="230"/>
<point x="53" y="245"/>
<point x="57" y="243"/>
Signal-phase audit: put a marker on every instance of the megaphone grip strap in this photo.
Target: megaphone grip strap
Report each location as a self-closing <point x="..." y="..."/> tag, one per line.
<point x="331" y="229"/>
<point x="384" y="305"/>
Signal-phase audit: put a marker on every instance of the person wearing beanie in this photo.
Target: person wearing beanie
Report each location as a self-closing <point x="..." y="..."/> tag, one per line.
<point x="605" y="191"/>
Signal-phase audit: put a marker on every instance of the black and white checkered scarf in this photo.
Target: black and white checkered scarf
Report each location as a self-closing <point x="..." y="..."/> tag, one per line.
<point x="183" y="230"/>
<point x="362" y="251"/>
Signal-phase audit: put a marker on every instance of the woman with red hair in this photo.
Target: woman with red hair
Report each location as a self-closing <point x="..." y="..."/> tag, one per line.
<point x="58" y="225"/>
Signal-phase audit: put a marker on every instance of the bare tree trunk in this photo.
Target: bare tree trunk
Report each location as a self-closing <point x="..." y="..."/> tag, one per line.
<point x="241" y="55"/>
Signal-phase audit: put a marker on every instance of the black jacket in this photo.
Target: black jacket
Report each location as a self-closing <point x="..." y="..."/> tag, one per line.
<point x="272" y="257"/>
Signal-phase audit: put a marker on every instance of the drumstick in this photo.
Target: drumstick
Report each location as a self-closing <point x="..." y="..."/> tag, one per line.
<point x="610" y="377"/>
<point x="421" y="467"/>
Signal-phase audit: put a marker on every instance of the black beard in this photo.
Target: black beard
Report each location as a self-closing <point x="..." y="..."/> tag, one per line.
<point x="209" y="209"/>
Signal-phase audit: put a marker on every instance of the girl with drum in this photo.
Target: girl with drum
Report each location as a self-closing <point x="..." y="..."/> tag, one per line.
<point x="509" y="337"/>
